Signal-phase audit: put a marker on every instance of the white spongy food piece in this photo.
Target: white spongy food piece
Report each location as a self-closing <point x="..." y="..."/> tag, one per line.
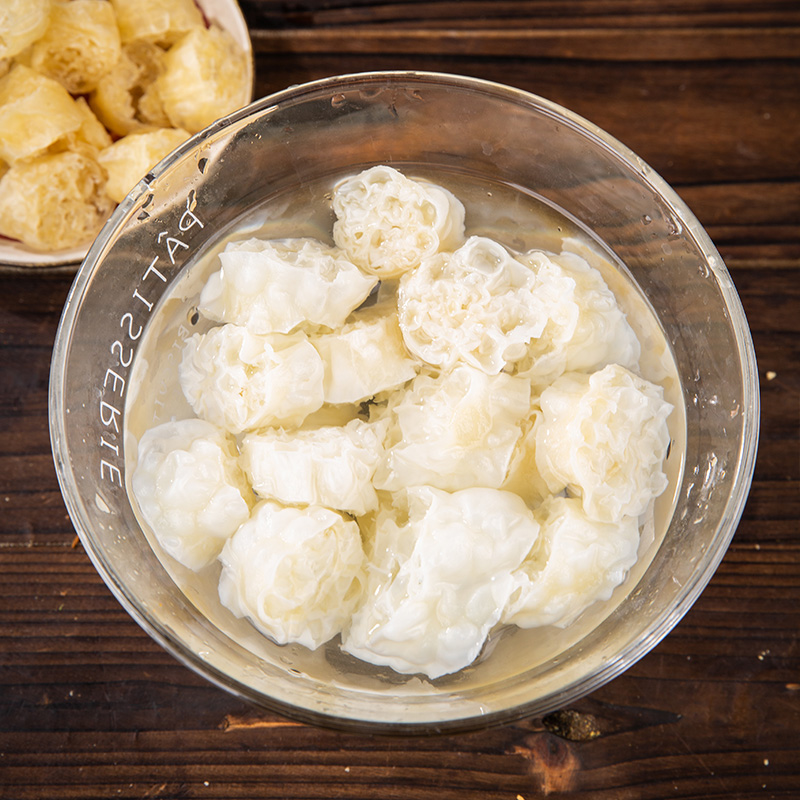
<point x="575" y="562"/>
<point x="604" y="438"/>
<point x="365" y="356"/>
<point x="242" y="381"/>
<point x="329" y="466"/>
<point x="523" y="476"/>
<point x="297" y="574"/>
<point x="454" y="431"/>
<point x="586" y="330"/>
<point x="477" y="305"/>
<point x="274" y="286"/>
<point x="438" y="583"/>
<point x="190" y="490"/>
<point x="388" y="223"/>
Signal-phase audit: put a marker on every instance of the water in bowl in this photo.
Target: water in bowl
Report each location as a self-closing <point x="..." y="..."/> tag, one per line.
<point x="514" y="217"/>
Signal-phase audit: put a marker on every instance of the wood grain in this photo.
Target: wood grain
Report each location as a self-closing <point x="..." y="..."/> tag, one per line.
<point x="706" y="91"/>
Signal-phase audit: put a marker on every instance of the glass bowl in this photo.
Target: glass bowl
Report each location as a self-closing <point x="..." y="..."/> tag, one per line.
<point x="247" y="171"/>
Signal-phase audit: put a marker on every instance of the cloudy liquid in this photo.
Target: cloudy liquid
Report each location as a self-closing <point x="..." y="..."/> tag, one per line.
<point x="516" y="219"/>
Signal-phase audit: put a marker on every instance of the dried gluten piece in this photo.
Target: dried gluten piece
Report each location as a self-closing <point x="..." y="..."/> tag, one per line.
<point x="22" y="22"/>
<point x="149" y="58"/>
<point x="24" y="130"/>
<point x="130" y="158"/>
<point x="55" y="55"/>
<point x="54" y="201"/>
<point x="160" y="21"/>
<point x="81" y="44"/>
<point x="91" y="132"/>
<point x="125" y="99"/>
<point x="204" y="79"/>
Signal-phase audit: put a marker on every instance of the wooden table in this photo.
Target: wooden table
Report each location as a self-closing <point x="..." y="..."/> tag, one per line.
<point x="707" y="92"/>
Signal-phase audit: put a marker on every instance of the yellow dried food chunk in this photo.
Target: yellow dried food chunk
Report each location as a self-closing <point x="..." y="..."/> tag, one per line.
<point x="80" y="45"/>
<point x="125" y="99"/>
<point x="35" y="111"/>
<point x="54" y="201"/>
<point x="149" y="58"/>
<point x="91" y="135"/>
<point x="92" y="131"/>
<point x="205" y="77"/>
<point x="22" y="22"/>
<point x="130" y="158"/>
<point x="112" y="100"/>
<point x="161" y="21"/>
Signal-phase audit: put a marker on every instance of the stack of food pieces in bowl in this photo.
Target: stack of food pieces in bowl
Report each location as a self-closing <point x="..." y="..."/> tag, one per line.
<point x="408" y="438"/>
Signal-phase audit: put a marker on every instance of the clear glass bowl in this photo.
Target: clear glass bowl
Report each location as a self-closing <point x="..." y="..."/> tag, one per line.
<point x="474" y="129"/>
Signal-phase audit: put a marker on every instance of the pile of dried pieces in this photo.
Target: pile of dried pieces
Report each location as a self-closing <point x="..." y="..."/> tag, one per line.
<point x="93" y="93"/>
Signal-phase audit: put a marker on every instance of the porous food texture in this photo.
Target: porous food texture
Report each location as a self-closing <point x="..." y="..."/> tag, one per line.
<point x="22" y="22"/>
<point x="243" y="381"/>
<point x="79" y="46"/>
<point x="296" y="573"/>
<point x="387" y="224"/>
<point x="332" y="465"/>
<point x="280" y="286"/>
<point x="493" y="453"/>
<point x="191" y="489"/>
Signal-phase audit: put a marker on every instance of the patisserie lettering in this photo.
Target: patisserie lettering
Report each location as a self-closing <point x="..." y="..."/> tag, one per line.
<point x="115" y="378"/>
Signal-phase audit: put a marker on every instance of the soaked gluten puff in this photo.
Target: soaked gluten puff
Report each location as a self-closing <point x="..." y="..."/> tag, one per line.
<point x="279" y="285"/>
<point x="296" y="573"/>
<point x="604" y="437"/>
<point x="387" y="223"/>
<point x="438" y="582"/>
<point x="586" y="330"/>
<point x="329" y="466"/>
<point x="453" y="431"/>
<point x="365" y="357"/>
<point x="575" y="562"/>
<point x="242" y="381"/>
<point x="477" y="306"/>
<point x="190" y="489"/>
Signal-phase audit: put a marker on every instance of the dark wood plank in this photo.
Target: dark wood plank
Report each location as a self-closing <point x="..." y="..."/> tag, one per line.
<point x="534" y="15"/>
<point x="601" y="44"/>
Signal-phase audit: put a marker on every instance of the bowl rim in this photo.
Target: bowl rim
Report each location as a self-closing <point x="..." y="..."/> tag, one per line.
<point x="665" y="622"/>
